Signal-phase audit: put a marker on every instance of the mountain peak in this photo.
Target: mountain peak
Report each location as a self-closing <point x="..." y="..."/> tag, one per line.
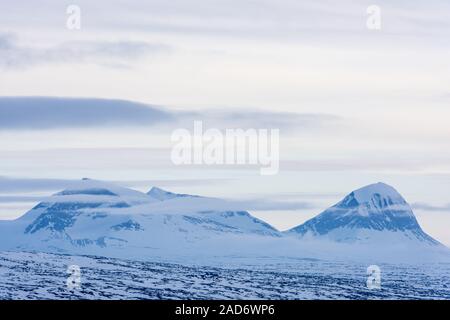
<point x="88" y="190"/>
<point x="374" y="197"/>
<point x="162" y="195"/>
<point x="87" y="186"/>
<point x="369" y="210"/>
<point x="377" y="190"/>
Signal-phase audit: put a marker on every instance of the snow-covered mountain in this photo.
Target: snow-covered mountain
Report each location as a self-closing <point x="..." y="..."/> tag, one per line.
<point x="103" y="219"/>
<point x="97" y="217"/>
<point x="375" y="213"/>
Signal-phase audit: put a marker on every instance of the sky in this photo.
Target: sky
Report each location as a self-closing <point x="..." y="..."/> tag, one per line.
<point x="354" y="105"/>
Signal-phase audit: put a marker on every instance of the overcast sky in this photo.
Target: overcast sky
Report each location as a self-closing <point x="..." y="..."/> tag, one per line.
<point x="354" y="106"/>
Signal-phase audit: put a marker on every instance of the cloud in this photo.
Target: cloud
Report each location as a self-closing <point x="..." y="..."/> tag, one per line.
<point x="26" y="185"/>
<point x="6" y="41"/>
<point x="240" y="18"/>
<point x="264" y="204"/>
<point x="429" y="207"/>
<point x="11" y="185"/>
<point x="40" y="113"/>
<point x="364" y="162"/>
<point x="263" y="119"/>
<point x="20" y="199"/>
<point x="236" y="205"/>
<point x="50" y="113"/>
<point x="117" y="54"/>
<point x="18" y="190"/>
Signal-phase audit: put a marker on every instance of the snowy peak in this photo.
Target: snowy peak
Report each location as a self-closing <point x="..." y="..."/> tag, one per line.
<point x="163" y="195"/>
<point x="86" y="196"/>
<point x="366" y="193"/>
<point x="378" y="195"/>
<point x="375" y="198"/>
<point x="87" y="190"/>
<point x="367" y="212"/>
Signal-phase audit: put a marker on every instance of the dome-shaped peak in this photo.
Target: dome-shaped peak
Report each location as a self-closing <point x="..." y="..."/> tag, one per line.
<point x="91" y="187"/>
<point x="88" y="186"/>
<point x="377" y="190"/>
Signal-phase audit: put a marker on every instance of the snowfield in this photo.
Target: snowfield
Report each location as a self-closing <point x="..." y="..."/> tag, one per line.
<point x="43" y="276"/>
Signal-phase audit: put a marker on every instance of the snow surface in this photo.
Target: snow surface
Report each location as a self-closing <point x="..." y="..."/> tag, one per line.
<point x="25" y="275"/>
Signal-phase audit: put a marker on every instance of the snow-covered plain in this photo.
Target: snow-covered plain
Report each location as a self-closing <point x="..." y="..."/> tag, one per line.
<point x="43" y="276"/>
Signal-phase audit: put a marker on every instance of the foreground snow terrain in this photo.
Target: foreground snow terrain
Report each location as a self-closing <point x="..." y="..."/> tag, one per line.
<point x="43" y="276"/>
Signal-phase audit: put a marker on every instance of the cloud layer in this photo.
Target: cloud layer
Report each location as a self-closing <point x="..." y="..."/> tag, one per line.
<point x="40" y="113"/>
<point x="117" y="53"/>
<point x="430" y="207"/>
<point x="51" y="113"/>
<point x="26" y="185"/>
<point x="14" y="190"/>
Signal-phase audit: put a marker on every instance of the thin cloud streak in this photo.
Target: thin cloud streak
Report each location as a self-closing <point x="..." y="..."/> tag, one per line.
<point x="25" y="185"/>
<point x="430" y="207"/>
<point x="117" y="54"/>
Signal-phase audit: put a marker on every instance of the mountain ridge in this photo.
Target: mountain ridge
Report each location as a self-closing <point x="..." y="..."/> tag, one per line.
<point x="105" y="219"/>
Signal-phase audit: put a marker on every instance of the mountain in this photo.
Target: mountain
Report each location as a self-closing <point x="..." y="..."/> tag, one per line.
<point x="102" y="218"/>
<point x="99" y="218"/>
<point x="376" y="213"/>
<point x="163" y="195"/>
